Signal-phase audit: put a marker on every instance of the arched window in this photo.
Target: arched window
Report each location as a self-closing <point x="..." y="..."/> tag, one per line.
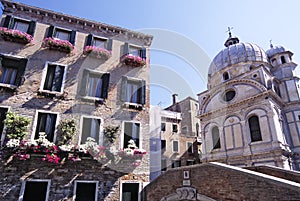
<point x="282" y="59"/>
<point x="254" y="129"/>
<point x="225" y="76"/>
<point x="216" y="138"/>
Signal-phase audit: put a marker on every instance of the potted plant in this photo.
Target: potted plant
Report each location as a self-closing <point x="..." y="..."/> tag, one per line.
<point x="57" y="44"/>
<point x="97" y="52"/>
<point x="15" y="35"/>
<point x="134" y="61"/>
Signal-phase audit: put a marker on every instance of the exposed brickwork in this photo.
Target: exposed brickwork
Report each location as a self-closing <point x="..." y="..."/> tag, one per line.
<point x="222" y="183"/>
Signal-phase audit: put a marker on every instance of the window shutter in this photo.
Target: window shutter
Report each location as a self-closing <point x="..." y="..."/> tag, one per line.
<point x="127" y="133"/>
<point x="143" y="53"/>
<point x="73" y="37"/>
<point x="21" y="69"/>
<point x="126" y="48"/>
<point x="83" y="85"/>
<point x="124" y="89"/>
<point x="143" y="92"/>
<point x="11" y="23"/>
<point x="7" y="21"/>
<point x="89" y="40"/>
<point x="37" y="129"/>
<point x="31" y="27"/>
<point x="109" y="44"/>
<point x="50" y="31"/>
<point x="105" y="85"/>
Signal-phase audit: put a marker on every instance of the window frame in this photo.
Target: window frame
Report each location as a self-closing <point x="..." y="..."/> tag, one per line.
<point x="44" y="75"/>
<point x="163" y="169"/>
<point x="216" y="144"/>
<point x="142" y="96"/>
<point x="34" y="127"/>
<point x="131" y="182"/>
<point x="101" y="134"/>
<point x="18" y="81"/>
<point x="23" y="186"/>
<point x="163" y="126"/>
<point x="174" y="128"/>
<point x="174" y="161"/>
<point x="123" y="133"/>
<point x="142" y="50"/>
<point x="3" y="134"/>
<point x="52" y="30"/>
<point x="9" y="22"/>
<point x="259" y="139"/>
<point x="85" y="181"/>
<point x="188" y="147"/>
<point x="178" y="147"/>
<point x="83" y="87"/>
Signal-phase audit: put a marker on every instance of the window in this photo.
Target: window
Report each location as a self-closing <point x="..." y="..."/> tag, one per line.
<point x="62" y="34"/>
<point x="190" y="162"/>
<point x="174" y="128"/>
<point x="85" y="190"/>
<point x="3" y="112"/>
<point x="11" y="70"/>
<point x="55" y="75"/>
<point x="229" y="95"/>
<point x="175" y="146"/>
<point x="184" y="130"/>
<point x="20" y="24"/>
<point x="91" y="128"/>
<point x="135" y="50"/>
<point x="99" y="42"/>
<point x="254" y="129"/>
<point x="46" y="123"/>
<point x="225" y="76"/>
<point x="189" y="147"/>
<point x="216" y="138"/>
<point x="197" y="129"/>
<point x="163" y="164"/>
<point x="274" y="62"/>
<point x="35" y="190"/>
<point x="94" y="84"/>
<point x="176" y="163"/>
<point x="282" y="60"/>
<point x="130" y="191"/>
<point x="163" y="126"/>
<point x="163" y="145"/>
<point x="131" y="132"/>
<point x="133" y="90"/>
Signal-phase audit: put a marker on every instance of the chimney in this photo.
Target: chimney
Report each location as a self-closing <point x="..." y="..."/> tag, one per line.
<point x="174" y="98"/>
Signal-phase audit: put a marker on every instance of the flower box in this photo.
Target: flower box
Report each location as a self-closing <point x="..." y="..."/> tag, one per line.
<point x="134" y="61"/>
<point x="57" y="44"/>
<point x="15" y="36"/>
<point x="97" y="52"/>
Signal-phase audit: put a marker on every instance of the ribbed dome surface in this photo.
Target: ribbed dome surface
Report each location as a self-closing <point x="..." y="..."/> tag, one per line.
<point x="241" y="52"/>
<point x="275" y="50"/>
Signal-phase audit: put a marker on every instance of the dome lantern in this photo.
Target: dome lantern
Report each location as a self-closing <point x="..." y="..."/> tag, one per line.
<point x="231" y="40"/>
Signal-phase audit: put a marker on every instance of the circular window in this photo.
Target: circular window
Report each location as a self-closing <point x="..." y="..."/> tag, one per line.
<point x="229" y="95"/>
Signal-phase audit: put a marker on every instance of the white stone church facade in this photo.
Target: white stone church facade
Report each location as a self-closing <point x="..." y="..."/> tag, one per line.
<point x="250" y="113"/>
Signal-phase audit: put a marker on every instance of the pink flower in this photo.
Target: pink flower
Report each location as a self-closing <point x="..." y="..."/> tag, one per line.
<point x="97" y="51"/>
<point x="63" y="45"/>
<point x="13" y="35"/>
<point x="134" y="61"/>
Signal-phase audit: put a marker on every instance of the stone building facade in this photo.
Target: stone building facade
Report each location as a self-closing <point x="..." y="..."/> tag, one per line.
<point x="250" y="112"/>
<point x="175" y="136"/>
<point x="91" y="72"/>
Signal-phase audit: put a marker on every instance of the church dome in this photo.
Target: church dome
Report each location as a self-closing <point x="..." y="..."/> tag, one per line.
<point x="275" y="50"/>
<point x="236" y="53"/>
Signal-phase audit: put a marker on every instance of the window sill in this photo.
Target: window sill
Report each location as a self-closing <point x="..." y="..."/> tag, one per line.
<point x="9" y="86"/>
<point x="50" y="93"/>
<point x="92" y="99"/>
<point x="134" y="106"/>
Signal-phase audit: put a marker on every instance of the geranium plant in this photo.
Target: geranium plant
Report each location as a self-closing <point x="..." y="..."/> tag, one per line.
<point x="15" y="35"/>
<point x="97" y="52"/>
<point x="134" y="61"/>
<point x="16" y="125"/>
<point x="132" y="152"/>
<point x="57" y="44"/>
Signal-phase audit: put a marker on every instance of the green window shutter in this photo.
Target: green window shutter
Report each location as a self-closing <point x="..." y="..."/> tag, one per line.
<point x="73" y="37"/>
<point x="143" y="92"/>
<point x="89" y="40"/>
<point x="127" y="133"/>
<point x="7" y="21"/>
<point x="21" y="64"/>
<point x="105" y="85"/>
<point x="84" y="79"/>
<point x="50" y="31"/>
<point x="109" y="44"/>
<point x="143" y="53"/>
<point x="124" y="89"/>
<point x="11" y="23"/>
<point x="126" y="48"/>
<point x="31" y="27"/>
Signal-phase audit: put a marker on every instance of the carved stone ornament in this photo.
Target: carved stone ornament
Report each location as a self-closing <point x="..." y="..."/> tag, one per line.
<point x="186" y="193"/>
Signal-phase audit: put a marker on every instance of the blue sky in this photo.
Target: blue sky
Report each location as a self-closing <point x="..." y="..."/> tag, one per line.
<point x="188" y="34"/>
